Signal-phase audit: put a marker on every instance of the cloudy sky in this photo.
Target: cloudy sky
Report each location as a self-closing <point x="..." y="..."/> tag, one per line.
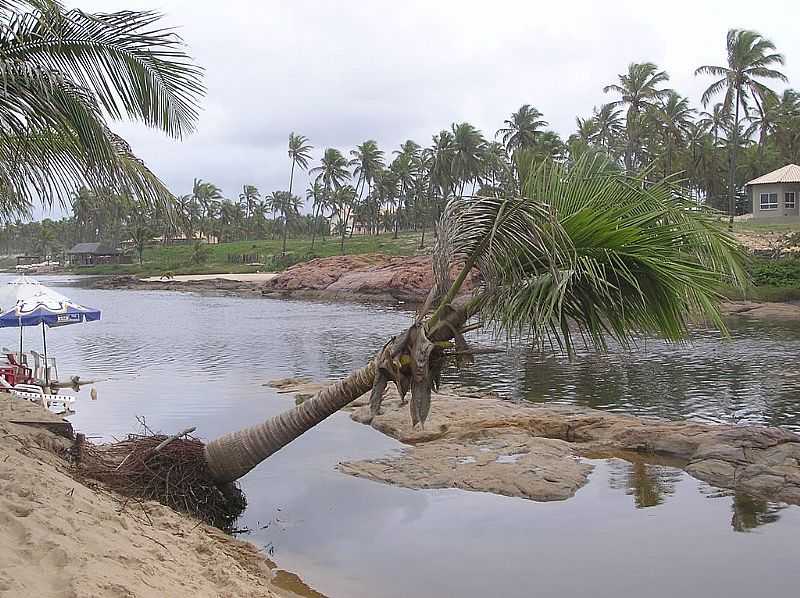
<point x="343" y="72"/>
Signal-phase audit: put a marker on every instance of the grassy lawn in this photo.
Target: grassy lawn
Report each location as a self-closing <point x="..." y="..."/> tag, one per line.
<point x="178" y="259"/>
<point x="761" y="226"/>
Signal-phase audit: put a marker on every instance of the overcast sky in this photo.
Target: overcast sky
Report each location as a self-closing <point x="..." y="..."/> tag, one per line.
<point x="344" y="72"/>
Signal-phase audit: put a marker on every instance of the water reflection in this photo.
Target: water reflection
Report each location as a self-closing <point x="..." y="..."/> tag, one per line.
<point x="647" y="482"/>
<point x="652" y="481"/>
<point x="750" y="513"/>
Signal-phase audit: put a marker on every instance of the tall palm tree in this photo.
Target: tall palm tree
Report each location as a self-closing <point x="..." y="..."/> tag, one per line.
<point x="68" y="74"/>
<point x="577" y="255"/>
<point x="333" y="172"/>
<point x="299" y="153"/>
<point x="468" y="146"/>
<point x="367" y="161"/>
<point x="750" y="57"/>
<point x="207" y="196"/>
<point x="522" y="129"/>
<point x="639" y="91"/>
<point x="249" y="199"/>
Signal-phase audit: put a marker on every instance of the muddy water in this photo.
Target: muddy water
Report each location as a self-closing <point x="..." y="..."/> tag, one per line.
<point x="175" y="360"/>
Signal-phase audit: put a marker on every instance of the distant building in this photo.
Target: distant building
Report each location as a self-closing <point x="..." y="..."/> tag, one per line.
<point x="91" y="254"/>
<point x="776" y="194"/>
<point x="27" y="260"/>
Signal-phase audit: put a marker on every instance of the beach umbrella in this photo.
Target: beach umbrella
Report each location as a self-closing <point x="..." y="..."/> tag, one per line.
<point x="27" y="302"/>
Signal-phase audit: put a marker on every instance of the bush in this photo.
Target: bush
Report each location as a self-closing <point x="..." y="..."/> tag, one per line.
<point x="776" y="273"/>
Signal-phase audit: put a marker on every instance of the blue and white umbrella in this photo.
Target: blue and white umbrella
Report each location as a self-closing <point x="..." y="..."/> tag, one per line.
<point x="27" y="302"/>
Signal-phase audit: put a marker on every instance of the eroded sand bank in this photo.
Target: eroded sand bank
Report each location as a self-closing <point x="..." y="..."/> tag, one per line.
<point x="62" y="538"/>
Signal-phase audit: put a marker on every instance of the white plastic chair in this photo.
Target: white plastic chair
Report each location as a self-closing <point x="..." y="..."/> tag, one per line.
<point x="35" y="394"/>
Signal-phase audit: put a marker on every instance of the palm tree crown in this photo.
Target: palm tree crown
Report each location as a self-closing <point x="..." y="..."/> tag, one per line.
<point x="522" y="129"/>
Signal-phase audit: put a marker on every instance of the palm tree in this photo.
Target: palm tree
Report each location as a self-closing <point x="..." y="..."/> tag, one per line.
<point x="299" y="153"/>
<point x="206" y="196"/>
<point x="716" y="121"/>
<point x="249" y="199"/>
<point x="522" y="129"/>
<point x="367" y="161"/>
<point x="578" y="255"/>
<point x="66" y="75"/>
<point x="317" y="194"/>
<point x="609" y="125"/>
<point x="639" y="91"/>
<point x="750" y="58"/>
<point x="343" y="202"/>
<point x="288" y="206"/>
<point x="467" y="147"/>
<point x="673" y="118"/>
<point x="333" y="172"/>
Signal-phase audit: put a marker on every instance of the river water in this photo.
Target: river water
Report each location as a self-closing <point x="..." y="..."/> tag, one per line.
<point x="173" y="360"/>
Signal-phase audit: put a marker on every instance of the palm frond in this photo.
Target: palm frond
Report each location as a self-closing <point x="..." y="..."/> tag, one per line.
<point x="591" y="254"/>
<point x="134" y="68"/>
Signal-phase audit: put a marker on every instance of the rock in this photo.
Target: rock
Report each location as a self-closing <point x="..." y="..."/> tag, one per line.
<point x="360" y="276"/>
<point x="533" y="451"/>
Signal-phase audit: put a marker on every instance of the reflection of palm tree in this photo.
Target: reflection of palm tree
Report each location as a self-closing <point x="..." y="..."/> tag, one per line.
<point x="750" y="513"/>
<point x="648" y="483"/>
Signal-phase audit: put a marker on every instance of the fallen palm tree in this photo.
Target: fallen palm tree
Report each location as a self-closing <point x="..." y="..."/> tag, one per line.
<point x="582" y="254"/>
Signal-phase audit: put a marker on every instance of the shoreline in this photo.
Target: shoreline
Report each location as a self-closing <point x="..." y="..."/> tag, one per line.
<point x="264" y="285"/>
<point x="63" y="536"/>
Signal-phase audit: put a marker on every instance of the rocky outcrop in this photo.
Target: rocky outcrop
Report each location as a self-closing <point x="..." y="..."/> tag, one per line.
<point x="534" y="451"/>
<point x="371" y="276"/>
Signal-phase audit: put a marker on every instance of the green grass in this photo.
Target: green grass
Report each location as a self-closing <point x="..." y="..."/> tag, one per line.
<point x="766" y="226"/>
<point x="177" y="259"/>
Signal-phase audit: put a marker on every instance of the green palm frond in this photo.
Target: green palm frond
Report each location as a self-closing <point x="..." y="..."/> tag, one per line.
<point x="133" y="68"/>
<point x="590" y="253"/>
<point x="62" y="73"/>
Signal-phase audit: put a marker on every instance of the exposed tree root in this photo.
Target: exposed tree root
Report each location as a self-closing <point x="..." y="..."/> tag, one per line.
<point x="175" y="475"/>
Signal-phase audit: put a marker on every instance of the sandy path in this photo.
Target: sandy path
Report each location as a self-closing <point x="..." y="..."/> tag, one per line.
<point x="253" y="277"/>
<point x="63" y="539"/>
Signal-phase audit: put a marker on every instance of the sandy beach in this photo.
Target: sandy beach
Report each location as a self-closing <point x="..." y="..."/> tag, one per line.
<point x="64" y="539"/>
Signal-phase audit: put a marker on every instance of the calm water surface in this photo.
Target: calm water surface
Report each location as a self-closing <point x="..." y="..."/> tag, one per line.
<point x="636" y="529"/>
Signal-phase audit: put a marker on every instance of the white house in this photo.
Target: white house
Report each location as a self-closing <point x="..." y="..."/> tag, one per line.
<point x="776" y="194"/>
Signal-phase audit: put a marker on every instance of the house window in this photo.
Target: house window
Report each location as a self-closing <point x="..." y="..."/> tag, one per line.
<point x="788" y="200"/>
<point x="769" y="201"/>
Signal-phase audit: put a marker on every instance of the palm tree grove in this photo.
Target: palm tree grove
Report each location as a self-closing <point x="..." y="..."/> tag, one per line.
<point x="578" y="345"/>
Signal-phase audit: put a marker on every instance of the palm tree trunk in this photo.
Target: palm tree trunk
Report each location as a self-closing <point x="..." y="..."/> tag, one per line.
<point x="314" y="224"/>
<point x="291" y="178"/>
<point x="233" y="455"/>
<point x="732" y="167"/>
<point x="285" y="230"/>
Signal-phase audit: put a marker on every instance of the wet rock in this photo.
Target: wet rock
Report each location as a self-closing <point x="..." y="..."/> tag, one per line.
<point x="467" y="441"/>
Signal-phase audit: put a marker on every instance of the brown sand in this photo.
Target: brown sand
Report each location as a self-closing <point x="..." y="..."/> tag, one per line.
<point x="61" y="538"/>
